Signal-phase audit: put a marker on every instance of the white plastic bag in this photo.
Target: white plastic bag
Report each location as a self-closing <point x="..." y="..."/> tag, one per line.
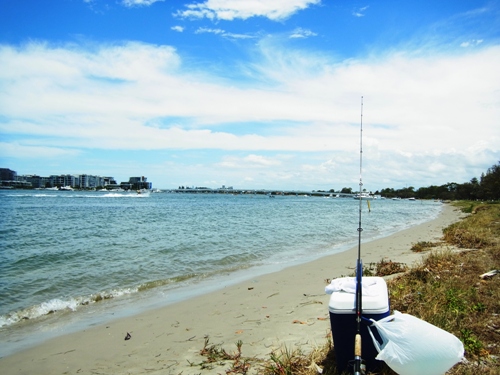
<point x="411" y="346"/>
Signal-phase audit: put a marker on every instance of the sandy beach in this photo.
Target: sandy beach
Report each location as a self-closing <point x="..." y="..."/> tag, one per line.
<point x="287" y="308"/>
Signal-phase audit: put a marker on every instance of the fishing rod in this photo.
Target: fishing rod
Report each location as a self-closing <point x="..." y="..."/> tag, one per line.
<point x="358" y="361"/>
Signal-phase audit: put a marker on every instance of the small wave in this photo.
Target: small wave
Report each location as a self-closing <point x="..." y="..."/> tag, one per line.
<point x="163" y="282"/>
<point x="125" y="195"/>
<point x="37" y="195"/>
<point x="59" y="305"/>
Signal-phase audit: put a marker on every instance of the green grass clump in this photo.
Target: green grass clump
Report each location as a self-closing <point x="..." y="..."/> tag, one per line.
<point x="216" y="356"/>
<point x="383" y="268"/>
<point x="477" y="230"/>
<point x="423" y="246"/>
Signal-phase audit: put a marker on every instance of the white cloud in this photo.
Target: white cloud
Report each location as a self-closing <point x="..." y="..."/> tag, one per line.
<point x="243" y="9"/>
<point x="249" y="161"/>
<point x="471" y="43"/>
<point x="424" y="118"/>
<point x="16" y="150"/>
<point x="302" y="33"/>
<point x="360" y="12"/>
<point x="223" y="33"/>
<point x="179" y="29"/>
<point x="134" y="3"/>
<point x="203" y="30"/>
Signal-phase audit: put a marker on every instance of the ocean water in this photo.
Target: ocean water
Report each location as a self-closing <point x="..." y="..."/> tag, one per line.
<point x="71" y="259"/>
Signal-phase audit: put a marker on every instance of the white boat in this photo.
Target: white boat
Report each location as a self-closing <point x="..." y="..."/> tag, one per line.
<point x="364" y="196"/>
<point x="68" y="188"/>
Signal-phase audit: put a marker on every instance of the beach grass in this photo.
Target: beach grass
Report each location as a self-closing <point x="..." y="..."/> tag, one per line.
<point x="445" y="289"/>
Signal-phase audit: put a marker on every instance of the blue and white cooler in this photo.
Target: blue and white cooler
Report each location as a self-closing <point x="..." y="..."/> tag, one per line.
<point x="342" y="308"/>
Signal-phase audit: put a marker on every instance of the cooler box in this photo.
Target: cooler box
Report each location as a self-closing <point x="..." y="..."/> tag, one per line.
<point x="375" y="305"/>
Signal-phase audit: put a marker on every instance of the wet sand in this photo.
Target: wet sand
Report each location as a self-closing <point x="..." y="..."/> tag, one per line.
<point x="286" y="308"/>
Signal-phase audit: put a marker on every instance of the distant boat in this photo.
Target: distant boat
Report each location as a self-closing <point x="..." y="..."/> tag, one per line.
<point x="67" y="188"/>
<point x="127" y="193"/>
<point x="364" y="196"/>
<point x="411" y="199"/>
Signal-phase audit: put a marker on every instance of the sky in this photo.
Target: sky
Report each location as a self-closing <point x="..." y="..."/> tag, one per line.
<point x="254" y="94"/>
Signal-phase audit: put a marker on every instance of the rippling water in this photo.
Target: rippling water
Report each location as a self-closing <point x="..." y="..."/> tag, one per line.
<point x="63" y="253"/>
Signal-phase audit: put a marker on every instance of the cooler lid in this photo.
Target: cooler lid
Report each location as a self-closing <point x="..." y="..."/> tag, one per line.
<point x="374" y="293"/>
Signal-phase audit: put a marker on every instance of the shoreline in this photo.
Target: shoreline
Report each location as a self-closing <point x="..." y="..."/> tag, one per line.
<point x="284" y="308"/>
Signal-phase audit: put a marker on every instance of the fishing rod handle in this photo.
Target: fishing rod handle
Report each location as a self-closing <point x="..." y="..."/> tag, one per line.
<point x="357" y="345"/>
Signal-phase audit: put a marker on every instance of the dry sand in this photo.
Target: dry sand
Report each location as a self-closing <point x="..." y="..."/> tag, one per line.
<point x="287" y="308"/>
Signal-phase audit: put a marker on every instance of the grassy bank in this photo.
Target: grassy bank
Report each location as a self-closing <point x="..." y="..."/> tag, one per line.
<point x="446" y="289"/>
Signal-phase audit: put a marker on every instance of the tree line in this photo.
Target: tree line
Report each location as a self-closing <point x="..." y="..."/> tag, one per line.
<point x="487" y="187"/>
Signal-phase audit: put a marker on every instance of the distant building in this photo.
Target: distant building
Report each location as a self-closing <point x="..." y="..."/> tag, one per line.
<point x="137" y="183"/>
<point x="36" y="182"/>
<point x="9" y="178"/>
<point x="7" y="175"/>
<point x="109" y="181"/>
<point x="88" y="181"/>
<point x="65" y="180"/>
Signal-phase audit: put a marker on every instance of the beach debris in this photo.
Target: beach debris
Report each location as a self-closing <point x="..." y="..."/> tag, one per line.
<point x="311" y="303"/>
<point x="239" y="332"/>
<point x="489" y="274"/>
<point x="319" y="370"/>
<point x="128" y="336"/>
<point x="298" y="322"/>
<point x="250" y="288"/>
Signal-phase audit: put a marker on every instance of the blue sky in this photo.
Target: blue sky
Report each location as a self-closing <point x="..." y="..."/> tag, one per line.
<point x="251" y="94"/>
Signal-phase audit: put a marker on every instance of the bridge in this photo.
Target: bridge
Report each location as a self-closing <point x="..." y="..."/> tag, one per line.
<point x="261" y="192"/>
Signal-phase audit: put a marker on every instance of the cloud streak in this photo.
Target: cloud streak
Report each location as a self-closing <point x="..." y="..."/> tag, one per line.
<point x="229" y="10"/>
<point x="139" y="3"/>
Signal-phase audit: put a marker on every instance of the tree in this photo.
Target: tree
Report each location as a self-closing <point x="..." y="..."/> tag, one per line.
<point x="490" y="183"/>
